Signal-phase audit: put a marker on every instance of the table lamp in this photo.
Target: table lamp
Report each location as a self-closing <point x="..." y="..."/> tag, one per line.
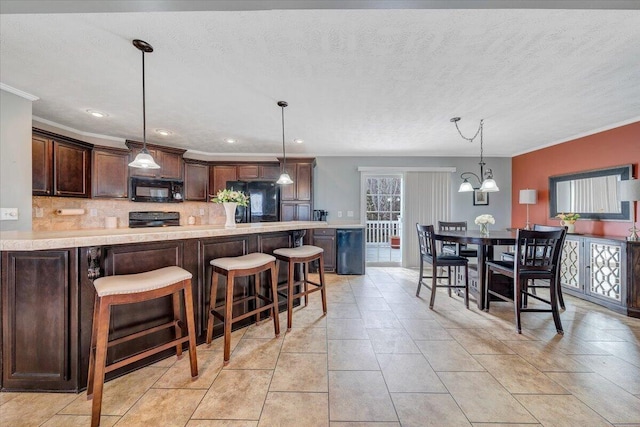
<point x="630" y="192"/>
<point x="528" y="197"/>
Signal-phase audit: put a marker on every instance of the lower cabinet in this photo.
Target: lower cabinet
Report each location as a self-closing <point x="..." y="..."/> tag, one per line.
<point x="595" y="269"/>
<point x="325" y="238"/>
<point x="40" y="320"/>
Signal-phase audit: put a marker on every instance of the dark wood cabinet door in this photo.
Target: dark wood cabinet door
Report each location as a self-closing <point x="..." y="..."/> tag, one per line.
<point x="39" y="306"/>
<point x="248" y="172"/>
<point x="287" y="212"/>
<point x="288" y="191"/>
<point x="171" y="165"/>
<point x="303" y="181"/>
<point x="269" y="172"/>
<point x="303" y="212"/>
<point x="41" y="166"/>
<point x="222" y="174"/>
<point x="328" y="243"/>
<point x="72" y="170"/>
<point x="109" y="173"/>
<point x="196" y="180"/>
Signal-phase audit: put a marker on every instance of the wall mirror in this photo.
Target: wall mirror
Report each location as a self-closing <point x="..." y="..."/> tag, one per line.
<point x="593" y="194"/>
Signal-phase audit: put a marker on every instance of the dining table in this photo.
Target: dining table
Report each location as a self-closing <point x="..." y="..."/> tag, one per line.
<point x="485" y="244"/>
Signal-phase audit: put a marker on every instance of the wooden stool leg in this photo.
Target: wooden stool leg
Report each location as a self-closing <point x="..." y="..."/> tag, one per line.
<point x="257" y="290"/>
<point x="100" y="360"/>
<point x="290" y="295"/>
<point x="228" y="316"/>
<point x="191" y="326"/>
<point x="212" y="302"/>
<point x="323" y="292"/>
<point x="92" y="348"/>
<point x="305" y="269"/>
<point x="274" y="292"/>
<point x="176" y="318"/>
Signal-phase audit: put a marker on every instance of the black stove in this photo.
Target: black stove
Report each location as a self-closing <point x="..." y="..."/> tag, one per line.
<point x="153" y="219"/>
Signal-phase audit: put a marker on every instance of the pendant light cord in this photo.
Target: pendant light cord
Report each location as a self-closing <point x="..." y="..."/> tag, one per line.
<point x="284" y="154"/>
<point x="144" y="110"/>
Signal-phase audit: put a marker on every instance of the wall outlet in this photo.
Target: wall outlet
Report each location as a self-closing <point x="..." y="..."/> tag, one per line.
<point x="201" y="212"/>
<point x="93" y="212"/>
<point x="350" y="214"/>
<point x="8" y="214"/>
<point x="39" y="212"/>
<point x="339" y="214"/>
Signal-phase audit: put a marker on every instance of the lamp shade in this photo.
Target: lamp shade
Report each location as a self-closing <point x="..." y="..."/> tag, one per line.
<point x="630" y="190"/>
<point x="489" y="186"/>
<point x="284" y="179"/>
<point x="144" y="160"/>
<point x="465" y="186"/>
<point x="528" y="197"/>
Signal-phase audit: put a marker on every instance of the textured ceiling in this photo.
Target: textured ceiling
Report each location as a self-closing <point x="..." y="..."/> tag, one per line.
<point x="358" y="82"/>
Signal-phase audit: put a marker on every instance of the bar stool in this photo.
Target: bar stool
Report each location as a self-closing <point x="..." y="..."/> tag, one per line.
<point x="302" y="255"/>
<point x="129" y="289"/>
<point x="246" y="265"/>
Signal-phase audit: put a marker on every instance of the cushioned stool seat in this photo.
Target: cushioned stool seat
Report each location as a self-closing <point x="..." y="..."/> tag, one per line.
<point x="135" y="288"/>
<point x="302" y="255"/>
<point x="231" y="267"/>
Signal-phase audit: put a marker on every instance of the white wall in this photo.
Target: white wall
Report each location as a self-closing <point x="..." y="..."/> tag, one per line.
<point x="15" y="159"/>
<point x="336" y="185"/>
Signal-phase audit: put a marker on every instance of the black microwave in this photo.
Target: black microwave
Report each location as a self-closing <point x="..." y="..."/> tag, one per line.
<point x="156" y="190"/>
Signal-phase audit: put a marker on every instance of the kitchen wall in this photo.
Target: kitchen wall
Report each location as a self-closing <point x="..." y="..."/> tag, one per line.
<point x="336" y="185"/>
<point x="615" y="147"/>
<point x="15" y="159"/>
<point x="204" y="213"/>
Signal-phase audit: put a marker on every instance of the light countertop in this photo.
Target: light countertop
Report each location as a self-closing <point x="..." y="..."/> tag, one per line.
<point x="38" y="240"/>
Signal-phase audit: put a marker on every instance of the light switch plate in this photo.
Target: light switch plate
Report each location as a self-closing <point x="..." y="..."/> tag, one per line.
<point x="8" y="214"/>
<point x="93" y="212"/>
<point x="339" y="214"/>
<point x="350" y="214"/>
<point x="201" y="212"/>
<point x="39" y="212"/>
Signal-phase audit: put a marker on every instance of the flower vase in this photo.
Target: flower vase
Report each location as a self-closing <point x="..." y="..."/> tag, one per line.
<point x="230" y="212"/>
<point x="571" y="227"/>
<point x="484" y="229"/>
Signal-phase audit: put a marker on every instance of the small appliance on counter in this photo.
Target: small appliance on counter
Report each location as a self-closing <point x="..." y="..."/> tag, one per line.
<point x="320" y="215"/>
<point x="153" y="219"/>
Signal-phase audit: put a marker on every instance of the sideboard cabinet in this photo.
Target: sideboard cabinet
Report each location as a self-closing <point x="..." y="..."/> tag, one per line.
<point x="603" y="271"/>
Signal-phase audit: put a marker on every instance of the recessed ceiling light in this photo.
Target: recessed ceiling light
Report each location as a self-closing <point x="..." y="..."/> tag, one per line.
<point x="298" y="141"/>
<point x="163" y="132"/>
<point x="230" y="140"/>
<point x="96" y="113"/>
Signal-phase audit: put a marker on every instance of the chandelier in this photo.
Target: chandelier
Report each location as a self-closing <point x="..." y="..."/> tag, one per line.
<point x="485" y="181"/>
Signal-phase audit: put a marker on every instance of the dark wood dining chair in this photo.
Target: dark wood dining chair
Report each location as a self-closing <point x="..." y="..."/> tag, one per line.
<point x="429" y="254"/>
<point x="452" y="247"/>
<point x="537" y="257"/>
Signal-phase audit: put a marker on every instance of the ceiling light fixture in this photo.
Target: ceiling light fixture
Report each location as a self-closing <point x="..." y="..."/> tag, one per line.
<point x="284" y="176"/>
<point x="143" y="159"/>
<point x="164" y="132"/>
<point x="98" y="114"/>
<point x="486" y="181"/>
<point x="230" y="141"/>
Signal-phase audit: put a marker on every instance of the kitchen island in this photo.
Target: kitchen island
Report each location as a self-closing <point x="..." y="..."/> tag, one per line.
<point x="48" y="294"/>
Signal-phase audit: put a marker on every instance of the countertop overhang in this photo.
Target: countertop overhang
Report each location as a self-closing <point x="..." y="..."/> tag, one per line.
<point x="40" y="240"/>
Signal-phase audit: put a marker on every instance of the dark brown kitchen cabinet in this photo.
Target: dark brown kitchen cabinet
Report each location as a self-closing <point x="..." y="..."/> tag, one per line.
<point x="61" y="166"/>
<point x="325" y="238"/>
<point x="301" y="172"/>
<point x="196" y="181"/>
<point x="110" y="169"/>
<point x="219" y="175"/>
<point x="248" y="172"/>
<point x="269" y="172"/>
<point x="294" y="211"/>
<point x="169" y="159"/>
<point x="40" y="320"/>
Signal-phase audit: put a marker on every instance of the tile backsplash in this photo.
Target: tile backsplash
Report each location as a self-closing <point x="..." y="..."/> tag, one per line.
<point x="96" y="210"/>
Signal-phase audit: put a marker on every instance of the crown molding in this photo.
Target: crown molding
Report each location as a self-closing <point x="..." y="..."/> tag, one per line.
<point x="20" y="93"/>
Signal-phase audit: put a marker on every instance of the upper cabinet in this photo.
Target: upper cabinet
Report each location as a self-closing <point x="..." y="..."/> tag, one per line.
<point x="196" y="181"/>
<point x="301" y="172"/>
<point x="220" y="174"/>
<point x="110" y="172"/>
<point x="169" y="159"/>
<point x="60" y="166"/>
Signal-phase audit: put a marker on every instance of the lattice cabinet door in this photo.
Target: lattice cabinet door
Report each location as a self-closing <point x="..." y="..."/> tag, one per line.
<point x="570" y="273"/>
<point x="606" y="270"/>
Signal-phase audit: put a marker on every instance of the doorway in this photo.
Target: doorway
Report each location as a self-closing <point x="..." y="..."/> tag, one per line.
<point x="383" y="202"/>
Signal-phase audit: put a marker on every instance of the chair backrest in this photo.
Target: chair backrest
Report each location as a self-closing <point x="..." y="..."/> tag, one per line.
<point x="540" y="227"/>
<point x="426" y="241"/>
<point x="539" y="250"/>
<point x="452" y="225"/>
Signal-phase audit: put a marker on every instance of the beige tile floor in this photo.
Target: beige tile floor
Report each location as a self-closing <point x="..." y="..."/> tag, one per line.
<point x="381" y="358"/>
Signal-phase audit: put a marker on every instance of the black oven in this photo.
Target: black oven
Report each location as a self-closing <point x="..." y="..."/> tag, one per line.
<point x="156" y="190"/>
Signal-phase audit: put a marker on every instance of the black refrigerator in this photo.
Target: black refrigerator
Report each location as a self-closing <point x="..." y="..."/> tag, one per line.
<point x="264" y="200"/>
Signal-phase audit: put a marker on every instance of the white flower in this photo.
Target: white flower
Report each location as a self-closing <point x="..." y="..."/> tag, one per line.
<point x="485" y="219"/>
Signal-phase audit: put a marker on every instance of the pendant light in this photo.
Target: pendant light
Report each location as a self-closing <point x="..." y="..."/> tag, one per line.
<point x="284" y="176"/>
<point x="143" y="159"/>
<point x="487" y="183"/>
